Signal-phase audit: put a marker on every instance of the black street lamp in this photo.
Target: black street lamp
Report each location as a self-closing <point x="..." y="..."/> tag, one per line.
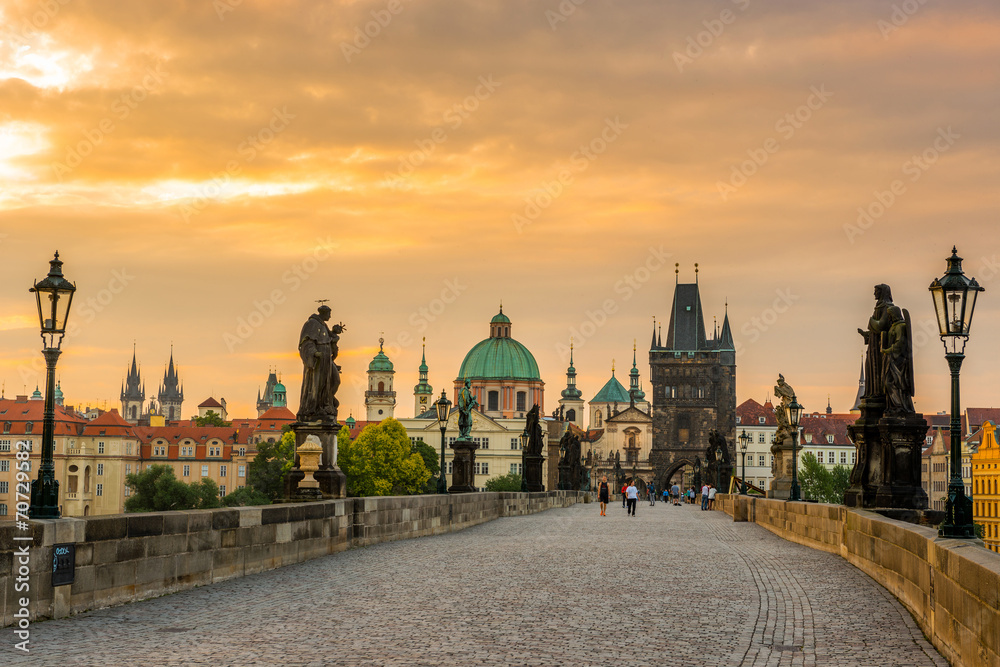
<point x="443" y="408"/>
<point x="954" y="313"/>
<point x="794" y="413"/>
<point x="523" y="439"/>
<point x="54" y="296"/>
<point x="744" y="443"/>
<point x="718" y="468"/>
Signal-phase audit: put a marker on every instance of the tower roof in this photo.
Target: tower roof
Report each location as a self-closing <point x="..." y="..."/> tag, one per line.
<point x="380" y="362"/>
<point x="686" y="331"/>
<point x="571" y="391"/>
<point x="499" y="356"/>
<point x="500" y="317"/>
<point x="612" y="392"/>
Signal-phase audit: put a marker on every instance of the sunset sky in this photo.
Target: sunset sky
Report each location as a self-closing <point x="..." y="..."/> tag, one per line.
<point x="208" y="170"/>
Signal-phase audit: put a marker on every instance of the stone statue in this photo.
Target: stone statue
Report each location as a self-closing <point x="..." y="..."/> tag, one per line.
<point x="570" y="468"/>
<point x="466" y="404"/>
<point x="878" y="324"/>
<point x="534" y="430"/>
<point x="320" y="373"/>
<point x="783" y="391"/>
<point x="897" y="369"/>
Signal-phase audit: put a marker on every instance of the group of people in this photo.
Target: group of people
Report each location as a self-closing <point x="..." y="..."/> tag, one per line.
<point x="630" y="495"/>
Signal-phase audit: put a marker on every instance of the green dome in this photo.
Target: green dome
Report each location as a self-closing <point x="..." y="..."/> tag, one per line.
<point x="380" y="362"/>
<point x="499" y="358"/>
<point x="500" y="318"/>
<point x="278" y="387"/>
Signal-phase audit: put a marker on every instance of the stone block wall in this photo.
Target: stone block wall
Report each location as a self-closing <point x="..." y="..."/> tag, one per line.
<point x="130" y="557"/>
<point x="952" y="587"/>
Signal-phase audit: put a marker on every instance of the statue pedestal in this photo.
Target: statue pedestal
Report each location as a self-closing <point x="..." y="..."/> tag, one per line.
<point x="781" y="485"/>
<point x="564" y="477"/>
<point x="332" y="481"/>
<point x="887" y="472"/>
<point x="463" y="478"/>
<point x="533" y="473"/>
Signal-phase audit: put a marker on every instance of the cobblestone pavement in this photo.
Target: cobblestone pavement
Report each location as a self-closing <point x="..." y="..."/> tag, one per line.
<point x="672" y="587"/>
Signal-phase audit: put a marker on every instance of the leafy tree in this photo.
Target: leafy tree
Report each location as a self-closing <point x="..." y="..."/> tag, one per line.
<point x="841" y="481"/>
<point x="432" y="459"/>
<point x="819" y="483"/>
<point x="157" y="489"/>
<point x="266" y="473"/>
<point x="245" y="496"/>
<point x="381" y="463"/>
<point x="211" y="418"/>
<point x="509" y="482"/>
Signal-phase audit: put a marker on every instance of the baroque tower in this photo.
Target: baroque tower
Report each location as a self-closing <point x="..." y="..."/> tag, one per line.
<point x="380" y="399"/>
<point x="171" y="393"/>
<point x="694" y="385"/>
<point x="423" y="394"/>
<point x="133" y="393"/>
<point x="572" y="398"/>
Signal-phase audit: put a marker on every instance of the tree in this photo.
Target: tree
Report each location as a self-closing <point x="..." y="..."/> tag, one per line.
<point x="157" y="489"/>
<point x="841" y="481"/>
<point x="381" y="462"/>
<point x="245" y="496"/>
<point x="211" y="418"/>
<point x="266" y="473"/>
<point x="432" y="459"/>
<point x="818" y="483"/>
<point x="509" y="482"/>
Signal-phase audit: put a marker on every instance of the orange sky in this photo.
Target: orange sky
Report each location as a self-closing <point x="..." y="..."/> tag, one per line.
<point x="196" y="163"/>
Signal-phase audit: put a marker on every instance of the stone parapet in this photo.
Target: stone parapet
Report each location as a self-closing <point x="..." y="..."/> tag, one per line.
<point x="951" y="587"/>
<point x="130" y="557"/>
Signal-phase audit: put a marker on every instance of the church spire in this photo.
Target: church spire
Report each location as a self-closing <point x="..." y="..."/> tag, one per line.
<point x="636" y="395"/>
<point x="861" y="388"/>
<point x="571" y="392"/>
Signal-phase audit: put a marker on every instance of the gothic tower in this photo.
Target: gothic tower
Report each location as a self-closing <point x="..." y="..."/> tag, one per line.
<point x="265" y="401"/>
<point x="694" y="385"/>
<point x="423" y="394"/>
<point x="380" y="399"/>
<point x="133" y="393"/>
<point x="572" y="398"/>
<point x="637" y="396"/>
<point x="171" y="393"/>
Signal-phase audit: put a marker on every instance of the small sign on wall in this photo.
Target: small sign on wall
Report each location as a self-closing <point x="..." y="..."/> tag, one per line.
<point x="63" y="564"/>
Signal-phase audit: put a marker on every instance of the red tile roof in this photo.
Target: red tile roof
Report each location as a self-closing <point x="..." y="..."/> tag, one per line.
<point x="210" y="403"/>
<point x="19" y="413"/>
<point x="821" y="426"/>
<point x="278" y="414"/>
<point x="174" y="434"/>
<point x="110" y="424"/>
<point x="750" y="412"/>
<point x="976" y="417"/>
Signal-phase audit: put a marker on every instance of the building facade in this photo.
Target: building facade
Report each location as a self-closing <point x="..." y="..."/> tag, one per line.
<point x="986" y="486"/>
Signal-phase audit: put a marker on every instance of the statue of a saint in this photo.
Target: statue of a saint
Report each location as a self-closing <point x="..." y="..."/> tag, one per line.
<point x="897" y="370"/>
<point x="320" y="374"/>
<point x="466" y="404"/>
<point x="878" y="325"/>
<point x="784" y="391"/>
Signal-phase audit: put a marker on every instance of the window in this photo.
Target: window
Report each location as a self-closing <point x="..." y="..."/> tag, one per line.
<point x="843" y="457"/>
<point x="930" y="440"/>
<point x="4" y="487"/>
<point x="29" y="427"/>
<point x="128" y="468"/>
<point x="241" y="471"/>
<point x="100" y="489"/>
<point x="481" y="468"/>
<point x="128" y="492"/>
<point x="762" y="439"/>
<point x="738" y="419"/>
<point x="187" y="451"/>
<point x="515" y="468"/>
<point x="215" y="451"/>
<point x="159" y="451"/>
<point x="484" y="443"/>
<point x="515" y="443"/>
<point x="187" y="471"/>
<point x="6" y="429"/>
<point x="4" y="465"/>
<point x="522" y="401"/>
<point x="854" y="456"/>
<point x="222" y="490"/>
<point x="100" y="469"/>
<point x="100" y="446"/>
<point x="204" y="471"/>
<point x="243" y="451"/>
<point x="4" y="445"/>
<point x="597" y="419"/>
<point x="449" y="467"/>
<point x="761" y="420"/>
<point x="819" y="457"/>
<point x="493" y="401"/>
<point x="829" y="439"/>
<point x="760" y="458"/>
<point x="222" y="471"/>
<point x="451" y="440"/>
<point x="3" y="509"/>
<point x="128" y="449"/>
<point x="772" y="460"/>
<point x="829" y="458"/>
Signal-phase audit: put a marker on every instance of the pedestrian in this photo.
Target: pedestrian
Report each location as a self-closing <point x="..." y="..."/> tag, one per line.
<point x="664" y="495"/>
<point x="604" y="494"/>
<point x="691" y="496"/>
<point x="651" y="490"/>
<point x="704" y="497"/>
<point x="711" y="497"/>
<point x="675" y="490"/>
<point x="624" y="487"/>
<point x="632" y="495"/>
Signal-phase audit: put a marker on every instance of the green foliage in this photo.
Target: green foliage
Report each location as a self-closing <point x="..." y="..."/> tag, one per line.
<point x="266" y="473"/>
<point x="245" y="496"/>
<point x="980" y="530"/>
<point x="509" y="482"/>
<point x="432" y="459"/>
<point x="156" y="489"/>
<point x="381" y="463"/>
<point x="211" y="418"/>
<point x="819" y="483"/>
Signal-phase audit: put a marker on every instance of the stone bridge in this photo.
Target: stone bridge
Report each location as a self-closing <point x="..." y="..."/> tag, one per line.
<point x="494" y="580"/>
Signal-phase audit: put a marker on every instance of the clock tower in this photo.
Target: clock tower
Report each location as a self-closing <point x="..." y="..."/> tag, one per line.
<point x="423" y="394"/>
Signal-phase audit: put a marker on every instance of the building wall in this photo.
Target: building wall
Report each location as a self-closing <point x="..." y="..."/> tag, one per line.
<point x="986" y="487"/>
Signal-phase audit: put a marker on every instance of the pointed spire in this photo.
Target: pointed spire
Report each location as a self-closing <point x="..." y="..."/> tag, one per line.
<point x="726" y="341"/>
<point x="861" y="387"/>
<point x="571" y="392"/>
<point x="652" y="344"/>
<point x="659" y="336"/>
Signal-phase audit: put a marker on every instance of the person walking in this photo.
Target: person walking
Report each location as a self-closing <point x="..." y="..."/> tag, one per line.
<point x="604" y="494"/>
<point x="704" y="497"/>
<point x="624" y="487"/>
<point x="690" y="495"/>
<point x="664" y="495"/>
<point x="651" y="490"/>
<point x="675" y="490"/>
<point x="631" y="495"/>
<point x="711" y="497"/>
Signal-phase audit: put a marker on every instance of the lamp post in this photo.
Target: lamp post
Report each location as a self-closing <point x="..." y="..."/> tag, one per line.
<point x="954" y="310"/>
<point x="523" y="438"/>
<point x="697" y="472"/>
<point x="718" y="468"/>
<point x="794" y="413"/>
<point x="443" y="407"/>
<point x="53" y="294"/>
<point x="744" y="443"/>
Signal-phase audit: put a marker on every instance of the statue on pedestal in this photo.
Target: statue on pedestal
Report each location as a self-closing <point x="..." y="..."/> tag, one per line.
<point x="533" y="451"/>
<point x="320" y="373"/>
<point x="466" y="404"/>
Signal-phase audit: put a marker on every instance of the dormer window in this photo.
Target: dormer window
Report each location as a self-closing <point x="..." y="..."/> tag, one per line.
<point x="738" y="418"/>
<point x="829" y="439"/>
<point x="6" y="427"/>
<point x="761" y="420"/>
<point x="29" y="427"/>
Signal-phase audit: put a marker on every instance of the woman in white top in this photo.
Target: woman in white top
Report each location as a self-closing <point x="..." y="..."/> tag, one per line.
<point x="631" y="496"/>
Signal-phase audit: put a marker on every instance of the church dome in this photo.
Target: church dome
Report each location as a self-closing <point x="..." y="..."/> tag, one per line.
<point x="380" y="362"/>
<point x="499" y="356"/>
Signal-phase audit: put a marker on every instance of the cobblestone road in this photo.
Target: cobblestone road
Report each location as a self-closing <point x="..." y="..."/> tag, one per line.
<point x="672" y="587"/>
